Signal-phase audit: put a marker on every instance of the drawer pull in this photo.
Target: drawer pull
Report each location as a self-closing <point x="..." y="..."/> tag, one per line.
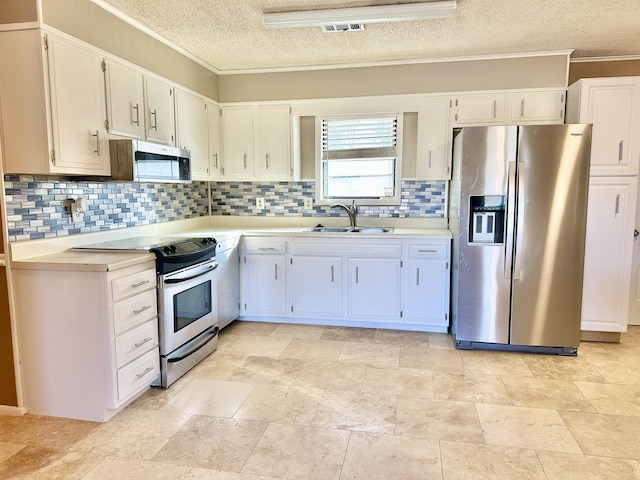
<point x="140" y="310"/>
<point x="139" y="284"/>
<point x="267" y="249"/>
<point x="139" y="344"/>
<point x="147" y="370"/>
<point x="427" y="251"/>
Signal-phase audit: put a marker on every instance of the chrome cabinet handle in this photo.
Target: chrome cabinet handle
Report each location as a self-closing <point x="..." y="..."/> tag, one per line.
<point x="245" y="161"/>
<point x="429" y="158"/>
<point x="153" y="125"/>
<point x="97" y="150"/>
<point x="620" y="151"/>
<point x="267" y="160"/>
<point x="332" y="276"/>
<point x="617" y="211"/>
<point x="140" y="310"/>
<point x="427" y="251"/>
<point x="139" y="284"/>
<point x="137" y="120"/>
<point x="495" y="108"/>
<point x="276" y="271"/>
<point x="215" y="164"/>
<point x="267" y="249"/>
<point x="356" y="275"/>
<point x="139" y="344"/>
<point x="522" y="108"/>
<point x="147" y="370"/>
<point x="417" y="277"/>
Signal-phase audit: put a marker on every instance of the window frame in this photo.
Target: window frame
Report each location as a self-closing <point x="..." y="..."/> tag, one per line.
<point x="320" y="180"/>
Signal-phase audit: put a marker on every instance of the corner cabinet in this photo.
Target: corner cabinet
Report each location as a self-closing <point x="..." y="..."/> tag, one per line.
<point x="159" y="115"/>
<point x="53" y="109"/>
<point x="346" y="280"/>
<point x="88" y="338"/>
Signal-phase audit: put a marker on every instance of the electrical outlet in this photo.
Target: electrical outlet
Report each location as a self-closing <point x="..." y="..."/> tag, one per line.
<point x="308" y="203"/>
<point x="260" y="203"/>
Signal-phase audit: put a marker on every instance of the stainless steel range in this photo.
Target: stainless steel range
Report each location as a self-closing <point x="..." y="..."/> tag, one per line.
<point x="187" y="305"/>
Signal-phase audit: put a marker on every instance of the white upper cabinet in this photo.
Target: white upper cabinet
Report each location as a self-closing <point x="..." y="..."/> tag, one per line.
<point x="192" y="132"/>
<point x="125" y="99"/>
<point x="538" y="107"/>
<point x="433" y="159"/>
<point x="612" y="105"/>
<point x="159" y="115"/>
<point x="53" y="111"/>
<point x="274" y="143"/>
<point x="216" y="171"/>
<point x="237" y="142"/>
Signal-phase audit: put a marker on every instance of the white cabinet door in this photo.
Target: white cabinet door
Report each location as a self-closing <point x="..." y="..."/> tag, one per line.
<point x="159" y="119"/>
<point x="274" y="143"/>
<point x="77" y="109"/>
<point x="264" y="290"/>
<point x="237" y="142"/>
<point x="608" y="253"/>
<point x="125" y="99"/>
<point x="216" y="170"/>
<point x="433" y="161"/>
<point x="478" y="109"/>
<point x="374" y="289"/>
<point x="316" y="286"/>
<point x="538" y="107"/>
<point x="613" y="106"/>
<point x="192" y="132"/>
<point x="427" y="292"/>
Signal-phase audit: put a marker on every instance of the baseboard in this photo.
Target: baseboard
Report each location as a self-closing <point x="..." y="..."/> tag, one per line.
<point x="610" y="337"/>
<point x="13" y="411"/>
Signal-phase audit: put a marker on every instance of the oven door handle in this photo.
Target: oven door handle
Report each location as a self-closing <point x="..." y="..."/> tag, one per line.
<point x="213" y="333"/>
<point x="172" y="281"/>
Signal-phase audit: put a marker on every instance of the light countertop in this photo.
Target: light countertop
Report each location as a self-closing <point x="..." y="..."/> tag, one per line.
<point x="90" y="261"/>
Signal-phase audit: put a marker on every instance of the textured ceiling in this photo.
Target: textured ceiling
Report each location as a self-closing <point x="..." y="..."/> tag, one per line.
<point x="229" y="35"/>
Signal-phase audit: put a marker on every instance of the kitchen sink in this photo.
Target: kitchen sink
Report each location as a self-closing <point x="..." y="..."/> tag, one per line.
<point x="321" y="229"/>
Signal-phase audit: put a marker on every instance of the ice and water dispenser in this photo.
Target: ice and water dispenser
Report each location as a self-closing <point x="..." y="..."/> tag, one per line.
<point x="486" y="221"/>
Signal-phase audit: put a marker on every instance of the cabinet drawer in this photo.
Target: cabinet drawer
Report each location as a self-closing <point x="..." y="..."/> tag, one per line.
<point x="131" y="284"/>
<point x="134" y="343"/>
<point x="264" y="245"/>
<point x="428" y="251"/>
<point x="134" y="311"/>
<point x="138" y="374"/>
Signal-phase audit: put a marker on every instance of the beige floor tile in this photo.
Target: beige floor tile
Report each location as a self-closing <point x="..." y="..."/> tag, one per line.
<point x="216" y="398"/>
<point x="210" y="442"/>
<point x="206" y="474"/>
<point x="71" y="466"/>
<point x="124" y="469"/>
<point x="28" y="460"/>
<point x="605" y="435"/>
<point x="569" y="466"/>
<point x="315" y="350"/>
<point x="618" y="371"/>
<point x="364" y="412"/>
<point x="494" y="363"/>
<point x="470" y="388"/>
<point x="217" y="366"/>
<point x="546" y="393"/>
<point x="401" y="337"/>
<point x="398" y="381"/>
<point x="281" y="404"/>
<point x="313" y="332"/>
<point x="612" y="399"/>
<point x="9" y="449"/>
<point x="298" y="452"/>
<point x="279" y="371"/>
<point x="371" y="354"/>
<point x="259" y="329"/>
<point x="226" y="341"/>
<point x="562" y="368"/>
<point x="441" y="340"/>
<point x="523" y="427"/>
<point x="156" y="398"/>
<point x="438" y="420"/>
<point x="53" y="432"/>
<point x="468" y="461"/>
<point x="331" y="376"/>
<point x="133" y="433"/>
<point x="348" y="334"/>
<point x="431" y="358"/>
<point x="259" y="346"/>
<point x="383" y="457"/>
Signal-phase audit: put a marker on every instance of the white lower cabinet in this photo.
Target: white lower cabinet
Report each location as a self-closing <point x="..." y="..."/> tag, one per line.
<point x="347" y="280"/>
<point x="88" y="339"/>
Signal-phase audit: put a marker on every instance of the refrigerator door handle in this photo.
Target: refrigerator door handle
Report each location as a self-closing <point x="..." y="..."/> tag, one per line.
<point x="511" y="204"/>
<point x="520" y="222"/>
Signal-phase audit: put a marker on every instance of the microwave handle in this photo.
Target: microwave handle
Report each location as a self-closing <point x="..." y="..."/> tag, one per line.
<point x="172" y="281"/>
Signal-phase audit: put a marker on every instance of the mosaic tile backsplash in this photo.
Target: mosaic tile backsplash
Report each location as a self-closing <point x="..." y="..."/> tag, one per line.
<point x="39" y="207"/>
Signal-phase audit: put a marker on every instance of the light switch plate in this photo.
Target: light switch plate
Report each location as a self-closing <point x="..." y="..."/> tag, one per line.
<point x="260" y="203"/>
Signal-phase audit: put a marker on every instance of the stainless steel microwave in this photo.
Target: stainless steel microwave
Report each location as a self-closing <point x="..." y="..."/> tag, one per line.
<point x="138" y="161"/>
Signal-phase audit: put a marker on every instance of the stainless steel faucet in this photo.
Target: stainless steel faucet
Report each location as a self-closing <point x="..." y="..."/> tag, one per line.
<point x="352" y="211"/>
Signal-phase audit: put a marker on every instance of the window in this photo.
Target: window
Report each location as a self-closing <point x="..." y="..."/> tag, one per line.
<point x="359" y="159"/>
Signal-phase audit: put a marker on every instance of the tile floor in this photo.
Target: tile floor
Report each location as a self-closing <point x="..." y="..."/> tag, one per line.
<point x="308" y="402"/>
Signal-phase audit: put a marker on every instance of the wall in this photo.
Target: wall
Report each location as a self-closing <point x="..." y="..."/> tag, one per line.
<point x="39" y="207"/>
<point x="610" y="68"/>
<point x="18" y="11"/>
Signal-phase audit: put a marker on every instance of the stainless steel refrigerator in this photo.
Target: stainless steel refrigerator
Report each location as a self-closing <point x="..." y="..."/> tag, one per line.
<point x="517" y="211"/>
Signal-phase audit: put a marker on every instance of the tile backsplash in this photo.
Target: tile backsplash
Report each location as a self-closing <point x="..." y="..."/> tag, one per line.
<point x="39" y="206"/>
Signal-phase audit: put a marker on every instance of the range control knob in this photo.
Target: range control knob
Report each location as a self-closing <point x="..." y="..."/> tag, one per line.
<point x="173" y="248"/>
<point x="166" y="250"/>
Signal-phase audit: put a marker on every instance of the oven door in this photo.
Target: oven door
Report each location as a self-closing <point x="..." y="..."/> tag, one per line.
<point x="187" y="304"/>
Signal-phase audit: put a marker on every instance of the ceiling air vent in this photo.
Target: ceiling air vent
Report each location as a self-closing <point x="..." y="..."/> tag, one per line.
<point x="343" y="27"/>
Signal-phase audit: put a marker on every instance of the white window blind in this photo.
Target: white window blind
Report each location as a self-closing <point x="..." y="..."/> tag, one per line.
<point x="359" y="138"/>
